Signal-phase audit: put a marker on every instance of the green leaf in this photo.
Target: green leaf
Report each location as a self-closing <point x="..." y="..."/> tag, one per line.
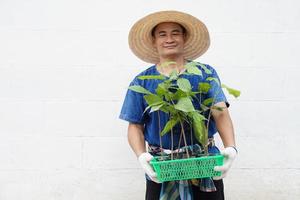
<point x="208" y="101"/>
<point x="184" y="104"/>
<point x="184" y="84"/>
<point x="200" y="130"/>
<point x="207" y="71"/>
<point x="179" y="94"/>
<point x="204" y="139"/>
<point x="156" y="107"/>
<point x="234" y="92"/>
<point x="191" y="64"/>
<point x="147" y="108"/>
<point x="204" y="108"/>
<point x="162" y="88"/>
<point x="213" y="79"/>
<point x="153" y="106"/>
<point x="157" y="77"/>
<point x="204" y="87"/>
<point x="192" y="68"/>
<point x="167" y="63"/>
<point x="217" y="108"/>
<point x="193" y="94"/>
<point x="169" y="109"/>
<point x="197" y="115"/>
<point x="153" y="99"/>
<point x="169" y="125"/>
<point x="173" y="75"/>
<point x="139" y="89"/>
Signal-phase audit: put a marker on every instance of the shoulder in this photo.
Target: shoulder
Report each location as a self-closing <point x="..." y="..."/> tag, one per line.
<point x="149" y="71"/>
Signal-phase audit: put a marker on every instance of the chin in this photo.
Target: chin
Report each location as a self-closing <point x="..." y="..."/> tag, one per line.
<point x="171" y="54"/>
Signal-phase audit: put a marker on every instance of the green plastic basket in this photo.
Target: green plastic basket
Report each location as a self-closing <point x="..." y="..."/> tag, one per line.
<point x="188" y="168"/>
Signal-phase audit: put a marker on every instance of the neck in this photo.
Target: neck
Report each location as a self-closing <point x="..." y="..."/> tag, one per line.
<point x="167" y="69"/>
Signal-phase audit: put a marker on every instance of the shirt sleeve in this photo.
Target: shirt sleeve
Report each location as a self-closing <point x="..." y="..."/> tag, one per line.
<point x="133" y="106"/>
<point x="216" y="91"/>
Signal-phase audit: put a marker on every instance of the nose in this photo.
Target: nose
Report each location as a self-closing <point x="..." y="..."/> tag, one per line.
<point x="169" y="39"/>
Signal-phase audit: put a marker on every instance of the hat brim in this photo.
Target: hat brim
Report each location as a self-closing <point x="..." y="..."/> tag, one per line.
<point x="140" y="38"/>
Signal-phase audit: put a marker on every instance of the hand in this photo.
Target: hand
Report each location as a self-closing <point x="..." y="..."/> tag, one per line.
<point x="144" y="160"/>
<point x="229" y="154"/>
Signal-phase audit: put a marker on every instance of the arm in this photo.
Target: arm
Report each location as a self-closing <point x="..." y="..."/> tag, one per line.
<point x="225" y="129"/>
<point x="224" y="125"/>
<point x="136" y="138"/>
<point x="137" y="142"/>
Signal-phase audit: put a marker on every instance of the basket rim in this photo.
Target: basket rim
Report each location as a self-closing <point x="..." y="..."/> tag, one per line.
<point x="155" y="161"/>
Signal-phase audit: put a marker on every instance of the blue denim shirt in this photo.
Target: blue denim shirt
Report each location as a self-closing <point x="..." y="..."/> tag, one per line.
<point x="134" y="106"/>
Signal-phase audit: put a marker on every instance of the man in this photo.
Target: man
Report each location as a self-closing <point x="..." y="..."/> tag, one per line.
<point x="178" y="37"/>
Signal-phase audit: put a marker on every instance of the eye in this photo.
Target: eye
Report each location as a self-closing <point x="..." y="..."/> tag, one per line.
<point x="176" y="33"/>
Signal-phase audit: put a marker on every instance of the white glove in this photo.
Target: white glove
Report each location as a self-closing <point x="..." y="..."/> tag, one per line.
<point x="229" y="154"/>
<point x="144" y="160"/>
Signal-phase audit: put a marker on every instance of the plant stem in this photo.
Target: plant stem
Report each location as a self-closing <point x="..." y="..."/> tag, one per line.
<point x="172" y="143"/>
<point x="159" y="127"/>
<point x="180" y="137"/>
<point x="192" y="141"/>
<point x="206" y="135"/>
<point x="191" y="134"/>
<point x="184" y="139"/>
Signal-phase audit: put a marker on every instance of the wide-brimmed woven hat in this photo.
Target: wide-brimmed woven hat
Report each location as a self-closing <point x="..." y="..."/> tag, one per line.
<point x="140" y="38"/>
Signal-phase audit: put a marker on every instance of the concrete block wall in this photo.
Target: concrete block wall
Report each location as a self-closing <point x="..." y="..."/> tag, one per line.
<point x="64" y="69"/>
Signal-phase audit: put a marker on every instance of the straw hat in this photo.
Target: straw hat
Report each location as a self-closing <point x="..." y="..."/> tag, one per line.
<point x="140" y="38"/>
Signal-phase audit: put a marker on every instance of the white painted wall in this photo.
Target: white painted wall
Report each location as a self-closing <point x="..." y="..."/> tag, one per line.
<point x="64" y="69"/>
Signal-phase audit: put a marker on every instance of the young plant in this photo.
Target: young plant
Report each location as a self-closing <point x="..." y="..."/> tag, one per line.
<point x="175" y="96"/>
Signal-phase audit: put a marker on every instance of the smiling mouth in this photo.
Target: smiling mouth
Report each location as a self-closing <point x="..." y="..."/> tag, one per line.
<point x="169" y="47"/>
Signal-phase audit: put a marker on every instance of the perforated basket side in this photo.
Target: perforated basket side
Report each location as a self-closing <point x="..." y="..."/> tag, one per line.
<point x="189" y="168"/>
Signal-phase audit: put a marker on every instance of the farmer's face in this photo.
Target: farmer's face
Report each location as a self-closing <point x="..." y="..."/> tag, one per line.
<point x="168" y="39"/>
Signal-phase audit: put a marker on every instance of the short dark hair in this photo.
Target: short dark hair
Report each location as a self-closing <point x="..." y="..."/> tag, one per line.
<point x="153" y="30"/>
